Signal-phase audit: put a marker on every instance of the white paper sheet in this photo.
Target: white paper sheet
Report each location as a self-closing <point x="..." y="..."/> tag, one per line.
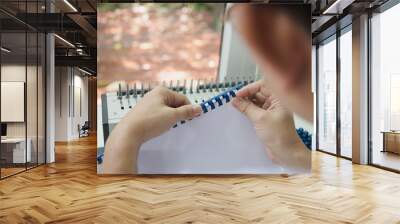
<point x="222" y="141"/>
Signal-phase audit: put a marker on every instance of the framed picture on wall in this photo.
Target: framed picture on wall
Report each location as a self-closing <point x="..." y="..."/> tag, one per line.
<point x="12" y="101"/>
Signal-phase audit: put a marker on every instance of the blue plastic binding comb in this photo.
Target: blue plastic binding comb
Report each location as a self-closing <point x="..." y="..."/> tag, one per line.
<point x="218" y="100"/>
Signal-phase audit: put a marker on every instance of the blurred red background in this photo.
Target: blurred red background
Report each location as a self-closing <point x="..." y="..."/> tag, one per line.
<point x="147" y="42"/>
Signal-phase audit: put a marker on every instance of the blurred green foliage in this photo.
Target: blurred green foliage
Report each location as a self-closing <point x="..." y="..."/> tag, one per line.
<point x="111" y="6"/>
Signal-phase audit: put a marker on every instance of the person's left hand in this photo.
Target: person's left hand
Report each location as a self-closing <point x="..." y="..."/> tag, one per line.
<point x="158" y="111"/>
<point x="153" y="115"/>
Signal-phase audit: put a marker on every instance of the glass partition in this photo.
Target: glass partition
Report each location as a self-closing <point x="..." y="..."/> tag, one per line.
<point x="22" y="92"/>
<point x="31" y="97"/>
<point x="13" y="114"/>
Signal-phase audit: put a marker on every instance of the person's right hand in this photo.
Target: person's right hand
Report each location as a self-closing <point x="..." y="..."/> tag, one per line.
<point x="274" y="126"/>
<point x="280" y="44"/>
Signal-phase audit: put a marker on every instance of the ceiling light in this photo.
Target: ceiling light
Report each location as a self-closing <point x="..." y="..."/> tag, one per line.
<point x="5" y="50"/>
<point x="70" y="5"/>
<point x="84" y="71"/>
<point x="65" y="41"/>
<point x="337" y="7"/>
<point x="79" y="51"/>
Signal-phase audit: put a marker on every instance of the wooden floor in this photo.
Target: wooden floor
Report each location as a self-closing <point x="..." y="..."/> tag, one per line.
<point x="5" y="172"/>
<point x="69" y="191"/>
<point x="387" y="159"/>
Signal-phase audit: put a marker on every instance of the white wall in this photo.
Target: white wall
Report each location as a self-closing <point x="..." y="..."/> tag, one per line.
<point x="71" y="87"/>
<point x="14" y="73"/>
<point x="17" y="73"/>
<point x="80" y="94"/>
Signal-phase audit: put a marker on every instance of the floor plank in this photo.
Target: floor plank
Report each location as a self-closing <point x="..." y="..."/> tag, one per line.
<point x="69" y="191"/>
<point x="387" y="159"/>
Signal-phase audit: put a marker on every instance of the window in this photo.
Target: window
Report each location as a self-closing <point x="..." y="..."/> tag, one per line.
<point x="327" y="95"/>
<point x="346" y="92"/>
<point x="385" y="88"/>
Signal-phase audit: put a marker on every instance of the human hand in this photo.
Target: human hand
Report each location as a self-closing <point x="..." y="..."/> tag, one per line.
<point x="273" y="124"/>
<point x="282" y="49"/>
<point x="158" y="111"/>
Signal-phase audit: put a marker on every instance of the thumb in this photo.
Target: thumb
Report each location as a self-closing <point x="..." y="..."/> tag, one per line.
<point x="187" y="112"/>
<point x="248" y="108"/>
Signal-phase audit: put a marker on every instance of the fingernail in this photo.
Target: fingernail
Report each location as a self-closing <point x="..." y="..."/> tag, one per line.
<point x="196" y="110"/>
<point x="240" y="92"/>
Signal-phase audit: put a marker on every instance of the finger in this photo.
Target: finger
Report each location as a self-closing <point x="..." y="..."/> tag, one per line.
<point x="270" y="101"/>
<point x="179" y="100"/>
<point x="174" y="99"/>
<point x="250" y="89"/>
<point x="259" y="99"/>
<point x="266" y="105"/>
<point x="187" y="112"/>
<point x="248" y="108"/>
<point x="265" y="90"/>
<point x="274" y="103"/>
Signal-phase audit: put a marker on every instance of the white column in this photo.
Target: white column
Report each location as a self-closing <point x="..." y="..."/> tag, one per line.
<point x="360" y="90"/>
<point x="50" y="92"/>
<point x="50" y="99"/>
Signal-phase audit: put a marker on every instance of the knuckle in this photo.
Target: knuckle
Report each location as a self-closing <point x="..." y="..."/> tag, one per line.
<point x="189" y="112"/>
<point x="160" y="89"/>
<point x="245" y="107"/>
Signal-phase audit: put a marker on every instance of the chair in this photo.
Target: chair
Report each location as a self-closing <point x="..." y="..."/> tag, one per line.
<point x="84" y="130"/>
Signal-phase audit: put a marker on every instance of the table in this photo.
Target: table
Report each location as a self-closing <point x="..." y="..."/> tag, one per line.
<point x="391" y="141"/>
<point x="13" y="150"/>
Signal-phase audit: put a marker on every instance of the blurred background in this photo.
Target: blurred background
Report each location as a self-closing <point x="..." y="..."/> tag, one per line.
<point x="146" y="43"/>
